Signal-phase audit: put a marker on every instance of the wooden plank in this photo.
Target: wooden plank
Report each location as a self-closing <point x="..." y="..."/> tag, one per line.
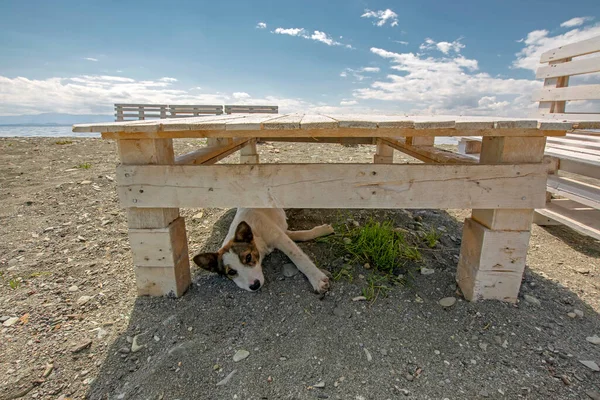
<point x="250" y="123"/>
<point x="290" y="121"/>
<point x="574" y="149"/>
<point x="504" y="220"/>
<point x="582" y="92"/>
<point x="420" y="141"/>
<point x="321" y="140"/>
<point x="334" y="186"/>
<point x="580" y="167"/>
<point x="314" y="121"/>
<point x="569" y="155"/>
<point x="491" y="263"/>
<point x="512" y="150"/>
<point x="212" y="154"/>
<point x="574" y="67"/>
<point x="572" y="50"/>
<point x="428" y="154"/>
<point x="583" y="219"/>
<point x="570" y="140"/>
<point x="578" y="191"/>
<point x="579" y="121"/>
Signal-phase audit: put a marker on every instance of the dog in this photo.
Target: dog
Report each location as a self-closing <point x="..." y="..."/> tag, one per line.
<point x="254" y="233"/>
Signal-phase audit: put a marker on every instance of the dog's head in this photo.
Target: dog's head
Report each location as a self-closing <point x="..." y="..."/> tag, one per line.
<point x="239" y="260"/>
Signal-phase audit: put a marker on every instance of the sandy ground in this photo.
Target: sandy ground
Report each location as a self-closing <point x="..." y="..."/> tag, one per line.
<point x="69" y="307"/>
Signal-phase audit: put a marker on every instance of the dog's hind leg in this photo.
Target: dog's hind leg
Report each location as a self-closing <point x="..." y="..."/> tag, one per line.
<point x="317" y="278"/>
<point x="317" y="231"/>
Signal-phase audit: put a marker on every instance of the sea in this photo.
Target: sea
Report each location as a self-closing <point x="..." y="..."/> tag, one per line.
<point x="65" y="131"/>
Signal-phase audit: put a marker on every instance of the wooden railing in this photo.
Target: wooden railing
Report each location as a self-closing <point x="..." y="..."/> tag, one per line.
<point x="128" y="112"/>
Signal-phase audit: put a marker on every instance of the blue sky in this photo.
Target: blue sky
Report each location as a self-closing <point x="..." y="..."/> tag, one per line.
<point x="469" y="57"/>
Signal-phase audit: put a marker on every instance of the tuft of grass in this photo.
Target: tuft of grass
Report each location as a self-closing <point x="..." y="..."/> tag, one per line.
<point x="346" y="272"/>
<point x="86" y="165"/>
<point x="432" y="237"/>
<point x="38" y="274"/>
<point x="63" y="142"/>
<point x="14" y="284"/>
<point x="380" y="285"/>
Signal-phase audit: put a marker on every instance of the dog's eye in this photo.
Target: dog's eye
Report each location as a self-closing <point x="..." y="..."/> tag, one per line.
<point x="248" y="258"/>
<point x="231" y="272"/>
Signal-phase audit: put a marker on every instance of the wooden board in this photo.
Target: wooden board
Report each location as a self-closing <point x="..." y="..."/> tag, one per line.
<point x="583" y="92"/>
<point x="334" y="186"/>
<point x="574" y="67"/>
<point x="581" y="218"/>
<point x="212" y="154"/>
<point x="572" y="50"/>
<point x="429" y="154"/>
<point x="580" y="192"/>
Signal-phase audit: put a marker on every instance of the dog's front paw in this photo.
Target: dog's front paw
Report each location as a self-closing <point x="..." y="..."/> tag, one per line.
<point x="320" y="282"/>
<point x="326" y="230"/>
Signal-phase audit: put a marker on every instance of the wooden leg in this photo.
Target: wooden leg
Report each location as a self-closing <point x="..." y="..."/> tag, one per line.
<point x="248" y="154"/>
<point x="495" y="241"/>
<point x="420" y="141"/>
<point x="384" y="154"/>
<point x="157" y="235"/>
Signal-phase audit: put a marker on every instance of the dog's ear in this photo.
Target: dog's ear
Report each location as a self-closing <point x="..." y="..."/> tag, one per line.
<point x="208" y="261"/>
<point x="243" y="233"/>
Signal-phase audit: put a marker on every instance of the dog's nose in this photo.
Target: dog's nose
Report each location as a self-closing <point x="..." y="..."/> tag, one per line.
<point x="255" y="285"/>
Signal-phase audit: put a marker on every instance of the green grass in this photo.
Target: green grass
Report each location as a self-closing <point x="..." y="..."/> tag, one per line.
<point x="432" y="237"/>
<point x="62" y="142"/>
<point x="86" y="165"/>
<point x="14" y="284"/>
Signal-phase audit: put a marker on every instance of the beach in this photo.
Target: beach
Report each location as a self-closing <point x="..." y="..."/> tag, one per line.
<point x="67" y="278"/>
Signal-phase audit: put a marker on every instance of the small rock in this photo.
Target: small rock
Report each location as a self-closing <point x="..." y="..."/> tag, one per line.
<point x="4" y="318"/>
<point x="593" y="339"/>
<point x="447" y="301"/>
<point x="339" y="312"/>
<point x="101" y="333"/>
<point x="532" y="300"/>
<point x="81" y="238"/>
<point x="483" y="346"/>
<point x="124" y="350"/>
<point x="73" y="288"/>
<point x="359" y="298"/>
<point x="48" y="370"/>
<point x="367" y="266"/>
<point x="83" y="299"/>
<point x="347" y="240"/>
<point x="240" y="355"/>
<point x="369" y="357"/>
<point x="85" y="183"/>
<point x="135" y="347"/>
<point x="579" y="313"/>
<point x="11" y="321"/>
<point x="409" y="377"/>
<point x="572" y="315"/>
<point x="81" y="346"/>
<point x="199" y="215"/>
<point x="226" y="379"/>
<point x="591" y="365"/>
<point x="427" y="271"/>
<point x="156" y="338"/>
<point x="319" y="385"/>
<point x="290" y="270"/>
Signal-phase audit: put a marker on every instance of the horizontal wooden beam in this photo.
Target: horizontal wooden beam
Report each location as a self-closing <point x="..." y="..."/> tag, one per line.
<point x="339" y="132"/>
<point x="575" y="67"/>
<point x="428" y="153"/>
<point x="583" y="92"/>
<point x="212" y="154"/>
<point x="322" y="140"/>
<point x="334" y="186"/>
<point x="572" y="50"/>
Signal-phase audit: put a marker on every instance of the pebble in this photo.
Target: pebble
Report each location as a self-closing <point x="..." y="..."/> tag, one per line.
<point x="483" y="346"/>
<point x="579" y="313"/>
<point x="226" y="379"/>
<point x="135" y="347"/>
<point x="319" y="385"/>
<point x="359" y="298"/>
<point x="290" y="270"/>
<point x="591" y="365"/>
<point x="532" y="300"/>
<point x="11" y="321"/>
<point x="593" y="339"/>
<point x="81" y="346"/>
<point x="73" y="288"/>
<point x="240" y="355"/>
<point x="347" y="240"/>
<point x="369" y="357"/>
<point x="427" y="271"/>
<point x="199" y="215"/>
<point x="367" y="266"/>
<point x="85" y="182"/>
<point x="572" y="315"/>
<point x="124" y="350"/>
<point x="4" y="318"/>
<point x="447" y="301"/>
<point x="83" y="299"/>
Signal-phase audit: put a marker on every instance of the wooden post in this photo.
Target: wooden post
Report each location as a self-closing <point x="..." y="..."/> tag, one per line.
<point x="384" y="154"/>
<point x="558" y="82"/>
<point x="495" y="241"/>
<point x="420" y="140"/>
<point x="248" y="154"/>
<point x="157" y="235"/>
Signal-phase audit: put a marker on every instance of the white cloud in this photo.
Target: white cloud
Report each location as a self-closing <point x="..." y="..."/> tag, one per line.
<point x="539" y="41"/>
<point x="318" y="36"/>
<point x="343" y="74"/>
<point x="357" y="73"/>
<point x="577" y="21"/>
<point x="447" y="85"/>
<point x="261" y="25"/>
<point x="370" y="69"/>
<point x="167" y="79"/>
<point x="290" y="31"/>
<point x="241" y="95"/>
<point x="382" y="16"/>
<point x="444" y="47"/>
<point x="91" y="59"/>
<point x="400" y="42"/>
<point x="348" y="103"/>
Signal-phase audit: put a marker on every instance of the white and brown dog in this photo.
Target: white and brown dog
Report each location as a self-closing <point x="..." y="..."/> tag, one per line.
<point x="254" y="233"/>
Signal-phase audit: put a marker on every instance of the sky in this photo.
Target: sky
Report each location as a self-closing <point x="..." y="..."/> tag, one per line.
<point x="467" y="57"/>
